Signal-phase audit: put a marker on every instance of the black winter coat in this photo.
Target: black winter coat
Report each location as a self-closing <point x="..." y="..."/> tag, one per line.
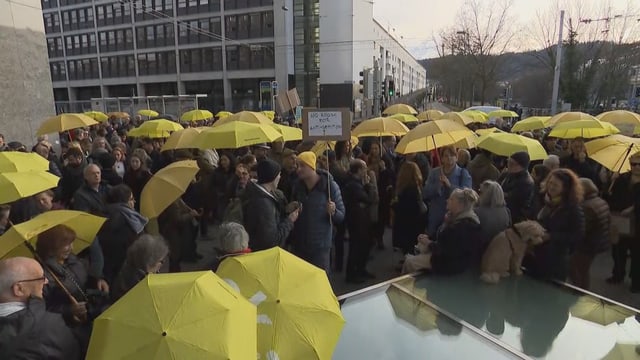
<point x="408" y="223"/>
<point x="357" y="202"/>
<point x="36" y="334"/>
<point x="264" y="217"/>
<point x="519" y="191"/>
<point x="74" y="276"/>
<point x="597" y="223"/>
<point x="457" y="245"/>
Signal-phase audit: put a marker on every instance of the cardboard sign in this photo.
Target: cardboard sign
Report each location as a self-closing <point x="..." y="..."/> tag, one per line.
<point x="326" y="124"/>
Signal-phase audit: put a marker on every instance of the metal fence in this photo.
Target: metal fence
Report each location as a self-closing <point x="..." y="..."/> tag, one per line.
<point x="168" y="104"/>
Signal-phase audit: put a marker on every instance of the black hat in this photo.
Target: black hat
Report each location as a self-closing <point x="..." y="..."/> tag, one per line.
<point x="522" y="158"/>
<point x="267" y="170"/>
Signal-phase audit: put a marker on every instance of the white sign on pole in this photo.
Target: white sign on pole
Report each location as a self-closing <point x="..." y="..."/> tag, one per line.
<point x="326" y="124"/>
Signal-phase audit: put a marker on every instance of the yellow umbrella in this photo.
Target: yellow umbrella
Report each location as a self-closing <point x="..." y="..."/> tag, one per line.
<point x="288" y="133"/>
<point x="190" y="315"/>
<point x="196" y="115"/>
<point x="269" y="114"/>
<point x="586" y="129"/>
<point x="321" y="146"/>
<point x="235" y="135"/>
<point x="223" y="114"/>
<point x="460" y="118"/>
<point x="64" y="122"/>
<point x="503" y="114"/>
<point x="118" y="114"/>
<point x="17" y="185"/>
<point x="613" y="152"/>
<point x="531" y="123"/>
<point x="467" y="143"/>
<point x="477" y="115"/>
<point x="430" y="115"/>
<point x="488" y="131"/>
<point x="626" y="121"/>
<point x="624" y="352"/>
<point x="15" y="161"/>
<point x="246" y="117"/>
<point x="154" y="134"/>
<point x="411" y="310"/>
<point x="85" y="225"/>
<point x="160" y="128"/>
<point x="182" y="139"/>
<point x="298" y="314"/>
<point x="381" y="126"/>
<point x="599" y="311"/>
<point x="405" y="118"/>
<point x="97" y="116"/>
<point x="148" y="113"/>
<point x="569" y="116"/>
<point x="505" y="144"/>
<point x="166" y="186"/>
<point x="432" y="135"/>
<point x="399" y="109"/>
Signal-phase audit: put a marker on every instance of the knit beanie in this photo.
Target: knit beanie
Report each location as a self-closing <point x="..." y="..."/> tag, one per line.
<point x="308" y="158"/>
<point x="267" y="170"/>
<point x="522" y="158"/>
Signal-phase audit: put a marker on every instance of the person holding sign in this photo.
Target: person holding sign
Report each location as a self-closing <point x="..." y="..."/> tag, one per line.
<point x="321" y="208"/>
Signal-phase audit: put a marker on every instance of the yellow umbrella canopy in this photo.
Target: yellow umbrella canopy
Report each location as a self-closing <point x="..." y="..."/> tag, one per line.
<point x="321" y="146"/>
<point x="430" y="115"/>
<point x="269" y="114"/>
<point x="97" y="116"/>
<point x="477" y="115"/>
<point x="381" y="126"/>
<point x="196" y="115"/>
<point x="467" y="143"/>
<point x="298" y="314"/>
<point x="399" y="109"/>
<point x="182" y="139"/>
<point x="166" y="186"/>
<point x="586" y="129"/>
<point x="15" y="161"/>
<point x="613" y="152"/>
<point x="118" y="114"/>
<point x="432" y="135"/>
<point x="405" y="118"/>
<point x="85" y="225"/>
<point x="596" y="310"/>
<point x="236" y="134"/>
<point x="618" y="117"/>
<point x="190" y="315"/>
<point x="569" y="116"/>
<point x="148" y="113"/>
<point x="531" y="123"/>
<point x="154" y="134"/>
<point x="503" y="114"/>
<point x="160" y="128"/>
<point x="288" y="133"/>
<point x="505" y="144"/>
<point x="411" y="310"/>
<point x="460" y="118"/>
<point x="17" y="185"/>
<point x="64" y="122"/>
<point x="223" y="114"/>
<point x="488" y="131"/>
<point x="245" y="116"/>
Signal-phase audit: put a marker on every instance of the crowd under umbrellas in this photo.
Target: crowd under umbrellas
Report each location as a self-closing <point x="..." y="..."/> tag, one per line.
<point x="182" y="310"/>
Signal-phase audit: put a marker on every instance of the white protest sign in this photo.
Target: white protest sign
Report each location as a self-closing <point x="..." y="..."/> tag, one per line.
<point x="326" y="124"/>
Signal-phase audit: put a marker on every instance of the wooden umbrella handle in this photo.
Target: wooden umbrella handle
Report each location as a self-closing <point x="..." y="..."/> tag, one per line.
<point x="53" y="275"/>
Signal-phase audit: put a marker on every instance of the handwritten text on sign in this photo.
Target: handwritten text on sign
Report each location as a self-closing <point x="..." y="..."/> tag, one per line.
<point x="325" y="123"/>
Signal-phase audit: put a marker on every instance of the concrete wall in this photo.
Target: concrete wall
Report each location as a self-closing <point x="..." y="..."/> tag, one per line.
<point x="26" y="95"/>
<point x="362" y="35"/>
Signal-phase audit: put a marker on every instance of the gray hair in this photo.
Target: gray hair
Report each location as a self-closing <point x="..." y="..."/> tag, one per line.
<point x="552" y="161"/>
<point x="146" y="251"/>
<point x="231" y="237"/>
<point x="491" y="195"/>
<point x="467" y="197"/>
<point x="12" y="270"/>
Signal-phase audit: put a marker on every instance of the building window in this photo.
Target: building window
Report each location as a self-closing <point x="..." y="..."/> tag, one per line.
<point x="157" y="63"/>
<point x="254" y="25"/>
<point x="247" y="57"/>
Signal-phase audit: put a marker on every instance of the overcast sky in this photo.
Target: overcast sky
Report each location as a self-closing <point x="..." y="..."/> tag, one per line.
<point x="417" y="20"/>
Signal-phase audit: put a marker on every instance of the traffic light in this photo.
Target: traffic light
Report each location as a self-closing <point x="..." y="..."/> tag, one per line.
<point x="362" y="84"/>
<point x="384" y="87"/>
<point x="392" y="88"/>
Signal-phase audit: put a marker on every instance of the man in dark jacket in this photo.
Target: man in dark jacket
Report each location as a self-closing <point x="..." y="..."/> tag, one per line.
<point x="90" y="197"/>
<point x="27" y="330"/>
<point x="518" y="187"/>
<point x="357" y="202"/>
<point x="288" y="174"/>
<point x="263" y="209"/>
<point x="72" y="177"/>
<point x="322" y="208"/>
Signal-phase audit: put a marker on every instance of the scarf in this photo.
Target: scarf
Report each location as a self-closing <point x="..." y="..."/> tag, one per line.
<point x="136" y="221"/>
<point x="550" y="206"/>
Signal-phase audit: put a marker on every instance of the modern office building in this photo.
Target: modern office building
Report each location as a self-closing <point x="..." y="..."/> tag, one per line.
<point x="225" y="49"/>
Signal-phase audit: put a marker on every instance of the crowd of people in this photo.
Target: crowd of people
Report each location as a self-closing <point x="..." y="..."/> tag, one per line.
<point x="451" y="201"/>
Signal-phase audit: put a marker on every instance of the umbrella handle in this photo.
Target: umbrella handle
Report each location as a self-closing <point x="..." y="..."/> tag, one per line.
<point x="620" y="168"/>
<point x="53" y="275"/>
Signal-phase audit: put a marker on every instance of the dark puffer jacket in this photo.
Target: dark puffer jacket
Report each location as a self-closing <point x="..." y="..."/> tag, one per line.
<point x="519" y="191"/>
<point x="597" y="222"/>
<point x="264" y="217"/>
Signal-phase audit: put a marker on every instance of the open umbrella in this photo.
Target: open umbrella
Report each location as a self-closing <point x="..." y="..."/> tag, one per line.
<point x="17" y="185"/>
<point x="430" y="115"/>
<point x="223" y="114"/>
<point x="613" y="152"/>
<point x="321" y="146"/>
<point x="64" y="122"/>
<point x="432" y="135"/>
<point x="289" y="133"/>
<point x="182" y="139"/>
<point x="245" y="116"/>
<point x="569" y="116"/>
<point x="191" y="315"/>
<point x="400" y="109"/>
<point x="269" y="114"/>
<point x="586" y="129"/>
<point x="97" y="116"/>
<point x="118" y="114"/>
<point x="166" y="186"/>
<point x="488" y="131"/>
<point x="411" y="310"/>
<point x="160" y="128"/>
<point x="470" y="142"/>
<point x="381" y="126"/>
<point x="626" y="121"/>
<point x="196" y="115"/>
<point x="298" y="314"/>
<point x="85" y="225"/>
<point x="599" y="311"/>
<point x="531" y="123"/>
<point x="153" y="134"/>
<point x="503" y="114"/>
<point x="148" y="113"/>
<point x="477" y="116"/>
<point x="460" y="118"/>
<point x="405" y="118"/>
<point x="505" y="144"/>
<point x="14" y="161"/>
<point x="236" y="134"/>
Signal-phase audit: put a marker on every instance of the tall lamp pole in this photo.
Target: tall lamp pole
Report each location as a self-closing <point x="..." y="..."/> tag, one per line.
<point x="556" y="76"/>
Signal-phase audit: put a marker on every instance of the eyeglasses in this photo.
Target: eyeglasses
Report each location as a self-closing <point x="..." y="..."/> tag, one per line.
<point x="635" y="164"/>
<point x="42" y="278"/>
